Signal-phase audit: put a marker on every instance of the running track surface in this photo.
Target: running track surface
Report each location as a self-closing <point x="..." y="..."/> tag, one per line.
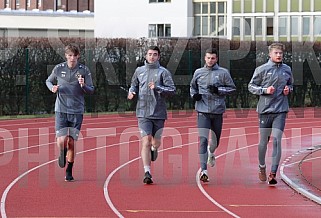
<point x="108" y="170"/>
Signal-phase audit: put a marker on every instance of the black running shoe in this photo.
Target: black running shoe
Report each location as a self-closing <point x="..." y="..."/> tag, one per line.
<point x="62" y="158"/>
<point x="271" y="179"/>
<point x="148" y="178"/>
<point x="69" y="177"/>
<point x="154" y="154"/>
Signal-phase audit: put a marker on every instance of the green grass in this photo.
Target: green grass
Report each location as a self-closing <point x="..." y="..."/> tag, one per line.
<point x="36" y="116"/>
<point x="97" y="114"/>
<point x="11" y="117"/>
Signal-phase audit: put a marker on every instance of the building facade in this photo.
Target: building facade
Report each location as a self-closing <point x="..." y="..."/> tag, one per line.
<point x="65" y="5"/>
<point x="144" y="18"/>
<point x="296" y="20"/>
<point x="279" y="20"/>
<point x="47" y="18"/>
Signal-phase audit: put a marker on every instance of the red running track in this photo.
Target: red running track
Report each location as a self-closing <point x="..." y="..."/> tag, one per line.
<point x="108" y="170"/>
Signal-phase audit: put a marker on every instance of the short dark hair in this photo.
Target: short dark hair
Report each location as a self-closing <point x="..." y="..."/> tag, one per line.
<point x="211" y="51"/>
<point x="154" y="47"/>
<point x="72" y="48"/>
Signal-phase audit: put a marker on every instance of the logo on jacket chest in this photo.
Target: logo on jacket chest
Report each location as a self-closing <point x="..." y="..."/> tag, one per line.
<point x="63" y="74"/>
<point x="78" y="75"/>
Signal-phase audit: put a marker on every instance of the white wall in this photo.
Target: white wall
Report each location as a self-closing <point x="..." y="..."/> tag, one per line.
<point x="130" y="18"/>
<point x="41" y="23"/>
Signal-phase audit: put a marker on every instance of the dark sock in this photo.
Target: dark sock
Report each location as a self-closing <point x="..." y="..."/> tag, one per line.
<point x="69" y="166"/>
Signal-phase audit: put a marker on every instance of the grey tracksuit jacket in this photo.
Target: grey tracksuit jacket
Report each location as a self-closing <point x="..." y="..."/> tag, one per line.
<point x="151" y="103"/>
<point x="202" y="78"/>
<point x="271" y="74"/>
<point x="70" y="95"/>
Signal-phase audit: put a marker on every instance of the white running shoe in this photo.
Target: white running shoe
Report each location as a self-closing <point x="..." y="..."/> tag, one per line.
<point x="211" y="158"/>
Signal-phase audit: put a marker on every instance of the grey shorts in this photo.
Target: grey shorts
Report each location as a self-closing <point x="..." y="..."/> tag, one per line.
<point x="153" y="127"/>
<point x="68" y="124"/>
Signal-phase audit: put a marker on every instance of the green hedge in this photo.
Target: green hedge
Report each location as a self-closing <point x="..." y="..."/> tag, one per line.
<point x="25" y="63"/>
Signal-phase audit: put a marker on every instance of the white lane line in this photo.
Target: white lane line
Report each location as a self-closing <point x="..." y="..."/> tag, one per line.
<point x="6" y="191"/>
<point x="88" y="137"/>
<point x="112" y="206"/>
<point x="4" y="195"/>
<point x="3" y="198"/>
<point x="200" y="187"/>
<point x="210" y="198"/>
<point x="184" y="127"/>
<point x="299" y="189"/>
<point x="106" y="184"/>
<point x="206" y="194"/>
<point x="294" y="185"/>
<point x="180" y="127"/>
<point x="106" y="193"/>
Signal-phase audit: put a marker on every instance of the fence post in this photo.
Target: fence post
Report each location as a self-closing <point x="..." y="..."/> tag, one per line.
<point x="190" y="64"/>
<point x="27" y="79"/>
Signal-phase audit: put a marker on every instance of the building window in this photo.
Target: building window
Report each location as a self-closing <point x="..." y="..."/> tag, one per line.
<point x="306" y="26"/>
<point x="269" y="26"/>
<point x="247" y="26"/>
<point x="258" y="26"/>
<point x="283" y="5"/>
<point x="58" y="5"/>
<point x="306" y="5"/>
<point x="7" y="3"/>
<point x="205" y="8"/>
<point x="247" y="6"/>
<point x="317" y="26"/>
<point x="282" y="26"/>
<point x="39" y="3"/>
<point x="236" y="26"/>
<point x="158" y="1"/>
<point x="205" y="25"/>
<point x="210" y="18"/>
<point x="221" y="7"/>
<point x="270" y="5"/>
<point x="294" y="25"/>
<point x="294" y="5"/>
<point x="197" y="8"/>
<point x="197" y="26"/>
<point x="237" y="6"/>
<point x="159" y="30"/>
<point x="152" y="30"/>
<point x="212" y="24"/>
<point x="317" y="5"/>
<point x="168" y="31"/>
<point x="259" y="5"/>
<point x="28" y="3"/>
<point x="212" y="7"/>
<point x="221" y="29"/>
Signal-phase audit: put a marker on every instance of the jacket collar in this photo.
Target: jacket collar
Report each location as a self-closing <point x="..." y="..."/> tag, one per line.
<point x="155" y="65"/>
<point x="214" y="67"/>
<point x="271" y="63"/>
